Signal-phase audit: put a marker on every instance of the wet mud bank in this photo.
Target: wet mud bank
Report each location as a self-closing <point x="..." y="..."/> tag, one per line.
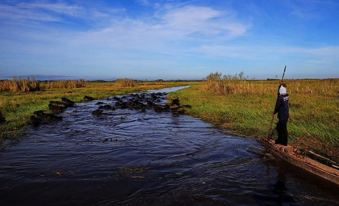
<point x="137" y="149"/>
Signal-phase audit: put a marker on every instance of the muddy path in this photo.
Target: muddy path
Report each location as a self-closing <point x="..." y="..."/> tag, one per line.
<point x="126" y="156"/>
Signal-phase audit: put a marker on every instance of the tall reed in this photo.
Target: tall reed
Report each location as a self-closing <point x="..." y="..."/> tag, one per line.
<point x="126" y="82"/>
<point x="67" y="84"/>
<point x="226" y="84"/>
<point x="19" y="85"/>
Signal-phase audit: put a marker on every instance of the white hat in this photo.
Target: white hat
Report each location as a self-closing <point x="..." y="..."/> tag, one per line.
<point x="282" y="90"/>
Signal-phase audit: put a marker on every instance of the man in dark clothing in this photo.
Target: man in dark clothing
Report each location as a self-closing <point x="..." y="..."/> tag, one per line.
<point x="281" y="107"/>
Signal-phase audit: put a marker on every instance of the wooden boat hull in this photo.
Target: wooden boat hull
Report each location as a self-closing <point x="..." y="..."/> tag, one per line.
<point x="290" y="155"/>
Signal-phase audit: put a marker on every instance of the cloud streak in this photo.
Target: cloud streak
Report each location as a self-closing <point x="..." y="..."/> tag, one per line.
<point x="14" y="13"/>
<point x="53" y="12"/>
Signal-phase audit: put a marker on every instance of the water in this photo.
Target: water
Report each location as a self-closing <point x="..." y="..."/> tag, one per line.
<point x="127" y="157"/>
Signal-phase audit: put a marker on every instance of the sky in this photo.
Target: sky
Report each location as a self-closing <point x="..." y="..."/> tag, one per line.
<point x="169" y="39"/>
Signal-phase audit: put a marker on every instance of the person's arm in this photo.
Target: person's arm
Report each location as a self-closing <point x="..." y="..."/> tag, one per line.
<point x="277" y="105"/>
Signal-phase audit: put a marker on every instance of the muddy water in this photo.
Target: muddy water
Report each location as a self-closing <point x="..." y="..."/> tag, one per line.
<point x="128" y="157"/>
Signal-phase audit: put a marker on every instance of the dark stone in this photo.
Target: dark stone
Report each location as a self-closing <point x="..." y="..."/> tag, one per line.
<point x="99" y="103"/>
<point x="88" y="98"/>
<point x="154" y="96"/>
<point x="49" y="117"/>
<point x="108" y="139"/>
<point x="40" y="117"/>
<point x="39" y="113"/>
<point x="175" y="101"/>
<point x="160" y="108"/>
<point x="141" y="101"/>
<point x="181" y="111"/>
<point x="116" y="99"/>
<point x="150" y="103"/>
<point x="159" y="94"/>
<point x="68" y="102"/>
<point x="106" y="107"/>
<point x="121" y="105"/>
<point x="97" y="112"/>
<point x="178" y="111"/>
<point x="174" y="107"/>
<point x="35" y="121"/>
<point x="143" y="96"/>
<point x="2" y="119"/>
<point x="57" y="106"/>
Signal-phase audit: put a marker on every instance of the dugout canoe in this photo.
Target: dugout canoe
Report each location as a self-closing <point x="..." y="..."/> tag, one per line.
<point x="291" y="155"/>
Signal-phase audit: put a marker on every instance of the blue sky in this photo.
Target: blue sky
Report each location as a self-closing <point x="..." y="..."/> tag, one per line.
<point x="169" y="39"/>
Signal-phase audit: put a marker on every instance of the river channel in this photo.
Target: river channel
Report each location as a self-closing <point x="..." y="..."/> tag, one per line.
<point x="129" y="157"/>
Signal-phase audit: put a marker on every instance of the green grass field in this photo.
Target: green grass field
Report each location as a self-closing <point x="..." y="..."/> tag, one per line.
<point x="17" y="107"/>
<point x="247" y="110"/>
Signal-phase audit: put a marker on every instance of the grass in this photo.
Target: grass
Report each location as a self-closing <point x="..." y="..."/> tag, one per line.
<point x="18" y="106"/>
<point x="245" y="107"/>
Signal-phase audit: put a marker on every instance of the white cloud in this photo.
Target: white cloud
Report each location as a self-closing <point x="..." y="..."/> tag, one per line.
<point x="54" y="12"/>
<point x="169" y="30"/>
<point x="202" y="20"/>
<point x="16" y="14"/>
<point x="60" y="8"/>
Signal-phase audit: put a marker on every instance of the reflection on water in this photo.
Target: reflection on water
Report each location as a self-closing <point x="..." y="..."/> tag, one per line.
<point x="127" y="157"/>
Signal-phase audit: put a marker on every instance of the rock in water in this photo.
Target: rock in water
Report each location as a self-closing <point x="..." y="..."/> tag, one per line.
<point x="106" y="107"/>
<point x="57" y="106"/>
<point x="97" y="112"/>
<point x="175" y="102"/>
<point x="40" y="117"/>
<point x="88" y="98"/>
<point x="69" y="103"/>
<point x="160" y="108"/>
<point x="121" y="105"/>
<point x="2" y="119"/>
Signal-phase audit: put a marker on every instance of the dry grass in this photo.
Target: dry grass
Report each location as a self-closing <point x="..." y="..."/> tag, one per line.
<point x="225" y="85"/>
<point x="19" y="85"/>
<point x="126" y="83"/>
<point x="65" y="84"/>
<point x="31" y="85"/>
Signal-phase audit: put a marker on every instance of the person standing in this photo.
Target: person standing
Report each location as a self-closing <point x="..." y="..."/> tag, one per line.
<point x="281" y="107"/>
